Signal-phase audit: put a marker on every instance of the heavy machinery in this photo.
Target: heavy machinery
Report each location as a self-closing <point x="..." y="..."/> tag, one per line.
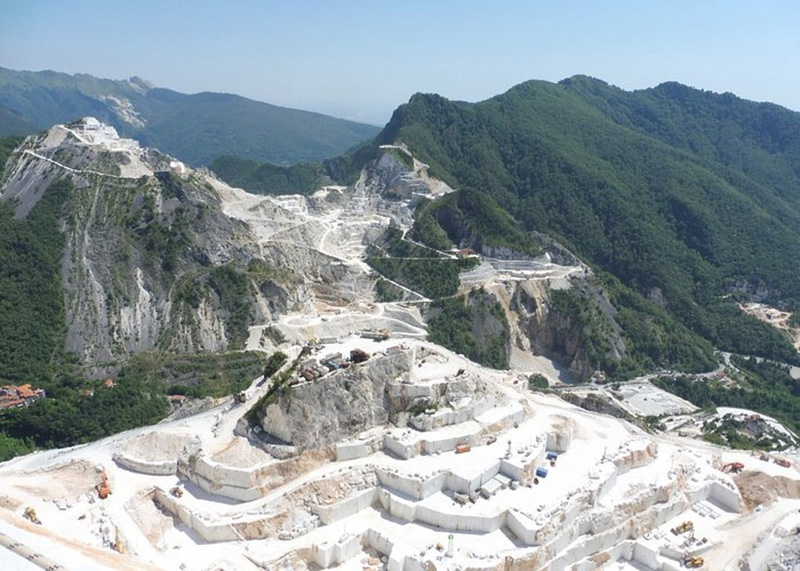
<point x="693" y="562"/>
<point x="733" y="467"/>
<point x="119" y="544"/>
<point x="683" y="528"/>
<point x="30" y="515"/>
<point x="103" y="488"/>
<point x="358" y="356"/>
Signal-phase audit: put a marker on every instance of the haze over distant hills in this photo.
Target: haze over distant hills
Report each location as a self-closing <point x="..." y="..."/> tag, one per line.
<point x="196" y="128"/>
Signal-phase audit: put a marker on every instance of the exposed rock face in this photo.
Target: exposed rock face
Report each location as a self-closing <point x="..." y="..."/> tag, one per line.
<point x="546" y="332"/>
<point x="145" y="242"/>
<point x="597" y="403"/>
<point x="542" y="329"/>
<point x="397" y="175"/>
<point x="337" y="407"/>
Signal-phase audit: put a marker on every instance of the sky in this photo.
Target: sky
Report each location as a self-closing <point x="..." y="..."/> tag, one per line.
<point x="361" y="59"/>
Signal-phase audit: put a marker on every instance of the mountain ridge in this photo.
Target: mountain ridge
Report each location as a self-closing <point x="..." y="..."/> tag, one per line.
<point x="197" y="128"/>
<point x="677" y="224"/>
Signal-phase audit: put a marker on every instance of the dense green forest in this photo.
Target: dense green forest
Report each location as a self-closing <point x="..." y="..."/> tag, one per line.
<point x="686" y="197"/>
<point x="31" y="300"/>
<point x="433" y="278"/>
<point x="196" y="375"/>
<point x="474" y="326"/>
<point x="266" y="178"/>
<point x="471" y="219"/>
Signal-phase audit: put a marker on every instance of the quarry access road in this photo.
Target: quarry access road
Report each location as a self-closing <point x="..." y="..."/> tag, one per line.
<point x="68" y="168"/>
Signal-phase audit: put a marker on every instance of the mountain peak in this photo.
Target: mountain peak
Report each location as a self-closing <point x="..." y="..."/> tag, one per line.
<point x="141" y="85"/>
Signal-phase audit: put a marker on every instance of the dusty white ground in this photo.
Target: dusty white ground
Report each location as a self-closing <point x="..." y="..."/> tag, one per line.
<point x="78" y="529"/>
<point x="608" y="501"/>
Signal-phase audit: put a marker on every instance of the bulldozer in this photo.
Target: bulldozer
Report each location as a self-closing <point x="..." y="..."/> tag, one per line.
<point x="683" y="528"/>
<point x="103" y="488"/>
<point x="693" y="562"/>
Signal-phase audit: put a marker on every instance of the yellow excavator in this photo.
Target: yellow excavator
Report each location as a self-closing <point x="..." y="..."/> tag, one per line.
<point x="683" y="528"/>
<point x="693" y="562"/>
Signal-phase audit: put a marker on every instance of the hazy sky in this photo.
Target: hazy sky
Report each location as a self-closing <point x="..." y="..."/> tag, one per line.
<point x="361" y="59"/>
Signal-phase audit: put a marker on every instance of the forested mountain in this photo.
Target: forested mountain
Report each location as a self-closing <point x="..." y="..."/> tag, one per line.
<point x="267" y="178"/>
<point x="195" y="128"/>
<point x="12" y="123"/>
<point x="106" y="254"/>
<point x="690" y="198"/>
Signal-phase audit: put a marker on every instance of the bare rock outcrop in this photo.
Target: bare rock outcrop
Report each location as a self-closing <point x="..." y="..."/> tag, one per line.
<point x="337" y="407"/>
<point x="150" y="260"/>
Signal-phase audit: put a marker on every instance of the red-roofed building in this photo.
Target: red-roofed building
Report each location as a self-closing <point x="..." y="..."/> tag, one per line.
<point x="12" y="396"/>
<point x="25" y="392"/>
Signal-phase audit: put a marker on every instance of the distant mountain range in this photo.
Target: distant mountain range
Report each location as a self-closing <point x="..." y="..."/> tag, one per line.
<point x="196" y="128"/>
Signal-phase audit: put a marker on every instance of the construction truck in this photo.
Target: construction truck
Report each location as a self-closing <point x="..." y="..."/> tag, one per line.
<point x="682" y="528"/>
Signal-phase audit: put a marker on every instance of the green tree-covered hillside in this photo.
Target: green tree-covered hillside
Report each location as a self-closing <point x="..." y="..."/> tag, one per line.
<point x="688" y="197"/>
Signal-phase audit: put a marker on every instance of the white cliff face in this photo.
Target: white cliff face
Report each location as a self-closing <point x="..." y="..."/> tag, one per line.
<point x="125" y="110"/>
<point x="347" y="403"/>
<point x="137" y="225"/>
<point x="138" y="320"/>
